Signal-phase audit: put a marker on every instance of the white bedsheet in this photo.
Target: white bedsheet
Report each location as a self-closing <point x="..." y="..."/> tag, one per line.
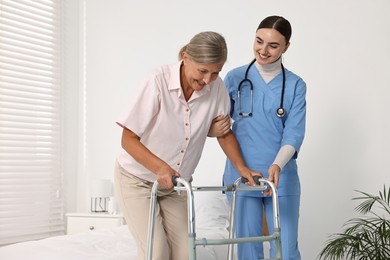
<point x="111" y="244"/>
<point x="211" y="218"/>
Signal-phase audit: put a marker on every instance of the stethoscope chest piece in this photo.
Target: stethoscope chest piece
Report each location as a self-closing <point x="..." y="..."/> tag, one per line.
<point x="280" y="112"/>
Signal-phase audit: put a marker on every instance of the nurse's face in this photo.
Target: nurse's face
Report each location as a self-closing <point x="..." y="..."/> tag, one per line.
<point x="269" y="45"/>
<point x="197" y="75"/>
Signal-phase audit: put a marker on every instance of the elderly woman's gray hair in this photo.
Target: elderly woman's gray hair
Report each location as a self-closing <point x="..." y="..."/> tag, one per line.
<point x="206" y="48"/>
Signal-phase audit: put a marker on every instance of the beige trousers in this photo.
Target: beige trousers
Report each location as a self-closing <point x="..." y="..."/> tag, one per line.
<point x="171" y="222"/>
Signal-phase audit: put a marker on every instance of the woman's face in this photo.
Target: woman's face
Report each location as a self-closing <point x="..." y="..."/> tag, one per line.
<point x="269" y="45"/>
<point x="197" y="75"/>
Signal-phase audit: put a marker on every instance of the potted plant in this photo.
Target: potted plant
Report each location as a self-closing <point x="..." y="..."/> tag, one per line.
<point x="365" y="237"/>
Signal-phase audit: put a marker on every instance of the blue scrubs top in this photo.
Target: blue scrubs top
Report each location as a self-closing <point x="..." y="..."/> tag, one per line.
<point x="261" y="135"/>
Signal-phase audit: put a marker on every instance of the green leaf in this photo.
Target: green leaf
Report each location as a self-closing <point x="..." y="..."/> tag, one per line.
<point x="366" y="237"/>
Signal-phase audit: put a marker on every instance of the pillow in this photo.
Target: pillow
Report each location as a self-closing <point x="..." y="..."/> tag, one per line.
<point x="211" y="210"/>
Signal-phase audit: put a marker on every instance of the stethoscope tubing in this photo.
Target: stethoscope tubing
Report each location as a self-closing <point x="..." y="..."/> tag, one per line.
<point x="280" y="112"/>
<point x="251" y="92"/>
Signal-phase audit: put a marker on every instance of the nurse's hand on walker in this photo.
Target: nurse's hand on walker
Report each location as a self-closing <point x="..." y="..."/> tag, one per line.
<point x="273" y="176"/>
<point x="219" y="126"/>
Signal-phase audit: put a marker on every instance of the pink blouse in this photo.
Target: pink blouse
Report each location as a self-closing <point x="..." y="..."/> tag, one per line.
<point x="172" y="128"/>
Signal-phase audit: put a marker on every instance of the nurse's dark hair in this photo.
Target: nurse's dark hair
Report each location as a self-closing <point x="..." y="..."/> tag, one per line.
<point x="206" y="48"/>
<point x="278" y="23"/>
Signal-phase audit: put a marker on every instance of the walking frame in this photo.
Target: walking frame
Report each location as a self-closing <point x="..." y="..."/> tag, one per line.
<point x="183" y="185"/>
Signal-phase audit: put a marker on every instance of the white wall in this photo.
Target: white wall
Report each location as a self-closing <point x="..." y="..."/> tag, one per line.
<point x="340" y="48"/>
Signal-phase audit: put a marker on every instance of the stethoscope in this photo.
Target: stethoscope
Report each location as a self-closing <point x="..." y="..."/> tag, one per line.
<point x="280" y="112"/>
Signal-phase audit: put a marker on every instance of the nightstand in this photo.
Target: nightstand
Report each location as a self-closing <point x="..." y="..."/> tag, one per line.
<point x="81" y="222"/>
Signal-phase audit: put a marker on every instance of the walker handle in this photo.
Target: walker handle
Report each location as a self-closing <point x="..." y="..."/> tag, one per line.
<point x="174" y="180"/>
<point x="256" y="178"/>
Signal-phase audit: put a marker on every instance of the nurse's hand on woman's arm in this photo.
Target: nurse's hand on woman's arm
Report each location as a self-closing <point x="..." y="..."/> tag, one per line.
<point x="219" y="126"/>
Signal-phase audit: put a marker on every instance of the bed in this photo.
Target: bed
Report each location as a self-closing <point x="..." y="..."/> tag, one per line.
<point x="117" y="243"/>
<point x="211" y="218"/>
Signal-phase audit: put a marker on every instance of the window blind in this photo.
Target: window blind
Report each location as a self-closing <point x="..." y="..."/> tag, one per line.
<point x="31" y="204"/>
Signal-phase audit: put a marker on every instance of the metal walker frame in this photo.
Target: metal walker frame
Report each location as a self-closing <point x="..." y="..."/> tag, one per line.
<point x="183" y="185"/>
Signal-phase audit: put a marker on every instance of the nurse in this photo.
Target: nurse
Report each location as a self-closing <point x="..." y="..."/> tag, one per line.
<point x="269" y="141"/>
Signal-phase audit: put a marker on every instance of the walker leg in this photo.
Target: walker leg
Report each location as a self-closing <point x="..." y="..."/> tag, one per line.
<point x="232" y="219"/>
<point x="153" y="202"/>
